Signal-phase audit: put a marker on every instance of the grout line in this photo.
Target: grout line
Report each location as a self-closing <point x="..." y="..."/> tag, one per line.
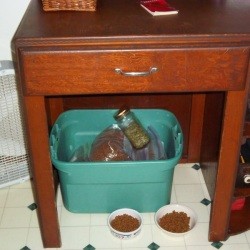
<point x="4" y="206"/>
<point x="175" y="193"/>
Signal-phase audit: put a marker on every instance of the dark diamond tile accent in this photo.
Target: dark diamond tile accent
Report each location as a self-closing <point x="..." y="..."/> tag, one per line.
<point x="217" y="244"/>
<point x="153" y="246"/>
<point x="205" y="202"/>
<point x="25" y="248"/>
<point x="89" y="247"/>
<point x="32" y="206"/>
<point x="196" y="167"/>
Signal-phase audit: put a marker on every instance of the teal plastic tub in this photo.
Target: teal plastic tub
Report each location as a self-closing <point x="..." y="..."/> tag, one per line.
<point x="99" y="187"/>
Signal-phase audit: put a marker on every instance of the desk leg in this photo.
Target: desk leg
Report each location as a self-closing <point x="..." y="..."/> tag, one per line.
<point x="196" y="123"/>
<point x="234" y="114"/>
<point x="54" y="109"/>
<point x="44" y="190"/>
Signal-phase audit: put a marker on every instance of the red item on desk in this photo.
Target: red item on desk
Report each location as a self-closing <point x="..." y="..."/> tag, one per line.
<point x="238" y="204"/>
<point x="158" y="7"/>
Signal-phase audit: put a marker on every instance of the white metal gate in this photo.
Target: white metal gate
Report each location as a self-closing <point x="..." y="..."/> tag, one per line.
<point x="14" y="161"/>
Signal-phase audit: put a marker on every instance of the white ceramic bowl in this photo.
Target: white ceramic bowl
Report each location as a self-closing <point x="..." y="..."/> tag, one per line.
<point x="177" y="208"/>
<point x="125" y="235"/>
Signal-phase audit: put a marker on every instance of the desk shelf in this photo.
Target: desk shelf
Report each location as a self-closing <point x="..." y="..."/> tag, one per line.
<point x="242" y="192"/>
<point x="239" y="219"/>
<point x="246" y="132"/>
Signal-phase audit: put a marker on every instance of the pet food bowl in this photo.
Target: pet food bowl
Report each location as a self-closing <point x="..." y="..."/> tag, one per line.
<point x="121" y="212"/>
<point x="168" y="209"/>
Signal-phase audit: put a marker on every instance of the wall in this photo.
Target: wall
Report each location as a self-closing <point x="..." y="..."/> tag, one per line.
<point x="11" y="13"/>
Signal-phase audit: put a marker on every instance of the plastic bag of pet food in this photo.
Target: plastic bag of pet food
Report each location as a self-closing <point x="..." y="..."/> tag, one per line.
<point x="109" y="146"/>
<point x="153" y="151"/>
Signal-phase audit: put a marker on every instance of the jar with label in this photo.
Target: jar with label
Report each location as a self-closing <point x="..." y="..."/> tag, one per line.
<point x="132" y="128"/>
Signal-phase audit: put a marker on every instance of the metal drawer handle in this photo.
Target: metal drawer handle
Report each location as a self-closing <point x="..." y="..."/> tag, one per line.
<point x="143" y="73"/>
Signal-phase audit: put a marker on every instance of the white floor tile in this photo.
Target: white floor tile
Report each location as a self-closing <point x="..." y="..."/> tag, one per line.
<point x="205" y="191"/>
<point x="101" y="237"/>
<point x="3" y="196"/>
<point x="236" y="239"/>
<point x="19" y="198"/>
<point x="152" y="218"/>
<point x="208" y="208"/>
<point x="173" y="198"/>
<point x="162" y="239"/>
<point x="224" y="247"/>
<point x="15" y="217"/>
<point x="248" y="236"/>
<point x="189" y="193"/>
<point x="59" y="200"/>
<point x="1" y="213"/>
<point x="74" y="237"/>
<point x="142" y="240"/>
<point x="208" y="247"/>
<point x="198" y="236"/>
<point x="173" y="248"/>
<point x="34" y="219"/>
<point x="99" y="248"/>
<point x="202" y="180"/>
<point x="146" y="218"/>
<point x="72" y="219"/>
<point x="59" y="213"/>
<point x="34" y="240"/>
<point x="12" y="239"/>
<point x="25" y="184"/>
<point x="99" y="219"/>
<point x="186" y="165"/>
<point x="186" y="175"/>
<point x="236" y="247"/>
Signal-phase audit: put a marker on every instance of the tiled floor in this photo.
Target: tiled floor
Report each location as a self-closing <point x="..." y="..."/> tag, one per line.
<point x="19" y="227"/>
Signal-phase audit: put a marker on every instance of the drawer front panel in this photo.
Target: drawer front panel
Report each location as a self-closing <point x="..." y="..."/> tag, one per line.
<point x="90" y="72"/>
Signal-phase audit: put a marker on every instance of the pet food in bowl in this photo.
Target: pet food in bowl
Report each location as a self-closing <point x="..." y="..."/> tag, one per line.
<point x="175" y="219"/>
<point x="125" y="223"/>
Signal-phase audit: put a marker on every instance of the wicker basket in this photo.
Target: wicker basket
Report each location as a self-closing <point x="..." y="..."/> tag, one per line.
<point x="76" y="5"/>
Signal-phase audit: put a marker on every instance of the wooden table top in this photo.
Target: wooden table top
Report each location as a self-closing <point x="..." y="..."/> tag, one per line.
<point x="126" y="21"/>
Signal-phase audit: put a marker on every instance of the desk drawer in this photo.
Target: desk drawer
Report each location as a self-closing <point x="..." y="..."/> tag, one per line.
<point x="90" y="72"/>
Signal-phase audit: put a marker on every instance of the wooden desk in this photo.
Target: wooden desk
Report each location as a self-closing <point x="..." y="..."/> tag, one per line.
<point x="68" y="59"/>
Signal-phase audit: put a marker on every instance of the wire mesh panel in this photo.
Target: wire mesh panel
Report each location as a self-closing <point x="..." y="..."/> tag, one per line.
<point x="14" y="161"/>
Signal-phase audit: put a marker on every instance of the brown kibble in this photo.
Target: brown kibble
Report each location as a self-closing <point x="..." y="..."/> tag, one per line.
<point x="108" y="146"/>
<point x="125" y="223"/>
<point x="175" y="222"/>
